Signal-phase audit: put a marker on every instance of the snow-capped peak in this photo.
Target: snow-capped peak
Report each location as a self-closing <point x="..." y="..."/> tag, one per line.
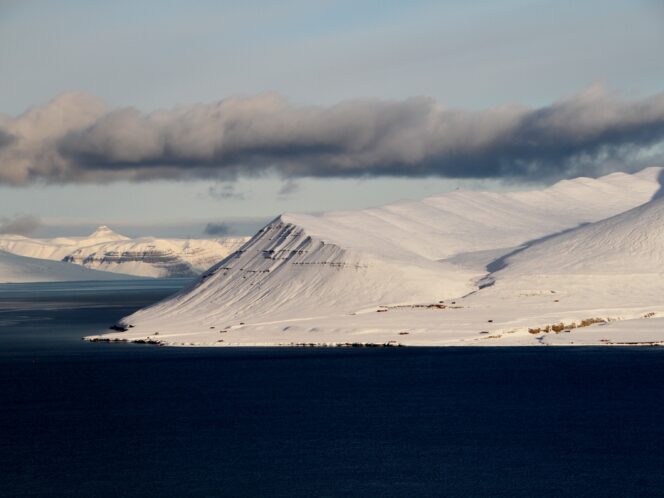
<point x="107" y="250"/>
<point x="105" y="233"/>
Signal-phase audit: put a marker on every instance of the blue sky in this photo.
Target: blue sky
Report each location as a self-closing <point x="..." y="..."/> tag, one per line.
<point x="159" y="54"/>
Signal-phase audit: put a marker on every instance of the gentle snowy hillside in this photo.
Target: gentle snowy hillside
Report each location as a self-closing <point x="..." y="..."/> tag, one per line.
<point x="14" y="269"/>
<point x="610" y="270"/>
<point x="628" y="243"/>
<point x="108" y="251"/>
<point x="461" y="221"/>
<point x="411" y="272"/>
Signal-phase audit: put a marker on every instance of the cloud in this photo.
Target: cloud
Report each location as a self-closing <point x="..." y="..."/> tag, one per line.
<point x="6" y="139"/>
<point x="19" y="224"/>
<point x="218" y="229"/>
<point x="225" y="191"/>
<point x="76" y="139"/>
<point x="288" y="188"/>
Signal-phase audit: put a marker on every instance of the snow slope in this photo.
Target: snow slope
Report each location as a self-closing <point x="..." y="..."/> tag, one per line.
<point x="411" y="272"/>
<point x="14" y="269"/>
<point x="612" y="269"/>
<point x="628" y="243"/>
<point x="108" y="251"/>
<point x="445" y="225"/>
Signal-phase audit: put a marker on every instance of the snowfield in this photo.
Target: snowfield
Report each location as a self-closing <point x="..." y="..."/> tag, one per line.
<point x="20" y="269"/>
<point x="580" y="262"/>
<point x="108" y="251"/>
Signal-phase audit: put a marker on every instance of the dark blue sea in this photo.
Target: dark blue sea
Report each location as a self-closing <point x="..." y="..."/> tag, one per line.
<point x="96" y="420"/>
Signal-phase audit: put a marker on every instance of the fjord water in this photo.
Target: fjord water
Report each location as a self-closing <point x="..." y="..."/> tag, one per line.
<point x="97" y="419"/>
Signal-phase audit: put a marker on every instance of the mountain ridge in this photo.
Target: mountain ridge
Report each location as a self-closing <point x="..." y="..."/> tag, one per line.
<point x="336" y="276"/>
<point x="22" y="269"/>
<point x="106" y="250"/>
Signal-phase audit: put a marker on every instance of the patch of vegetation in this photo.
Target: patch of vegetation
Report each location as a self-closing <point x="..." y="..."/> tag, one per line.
<point x="565" y="327"/>
<point x="146" y="341"/>
<point x="436" y="306"/>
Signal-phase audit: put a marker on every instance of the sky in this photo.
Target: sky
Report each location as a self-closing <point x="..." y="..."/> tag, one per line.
<point x="161" y="117"/>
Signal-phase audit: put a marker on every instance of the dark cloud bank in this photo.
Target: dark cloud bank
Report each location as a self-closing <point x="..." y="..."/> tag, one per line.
<point x="218" y="229"/>
<point x="19" y="224"/>
<point x="75" y="138"/>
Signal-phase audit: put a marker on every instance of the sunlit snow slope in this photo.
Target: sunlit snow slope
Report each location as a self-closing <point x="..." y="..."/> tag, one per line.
<point x="407" y="273"/>
<point x="625" y="244"/>
<point x="611" y="270"/>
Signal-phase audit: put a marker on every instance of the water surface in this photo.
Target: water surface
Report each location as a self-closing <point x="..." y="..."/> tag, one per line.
<point x="96" y="419"/>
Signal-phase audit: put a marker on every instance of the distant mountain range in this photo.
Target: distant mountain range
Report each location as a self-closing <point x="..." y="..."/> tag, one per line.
<point x="579" y="262"/>
<point x="108" y="251"/>
<point x="21" y="269"/>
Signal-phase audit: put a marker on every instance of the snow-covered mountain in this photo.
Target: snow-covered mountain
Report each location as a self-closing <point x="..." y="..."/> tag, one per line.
<point x="111" y="252"/>
<point x="611" y="270"/>
<point x="416" y="272"/>
<point x="625" y="244"/>
<point x="14" y="269"/>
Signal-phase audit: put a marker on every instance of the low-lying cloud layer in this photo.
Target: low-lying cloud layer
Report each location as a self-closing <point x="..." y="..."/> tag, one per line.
<point x="218" y="229"/>
<point x="75" y="138"/>
<point x="21" y="224"/>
